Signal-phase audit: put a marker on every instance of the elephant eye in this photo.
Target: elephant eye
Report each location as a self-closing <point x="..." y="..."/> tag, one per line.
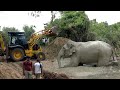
<point x="71" y="46"/>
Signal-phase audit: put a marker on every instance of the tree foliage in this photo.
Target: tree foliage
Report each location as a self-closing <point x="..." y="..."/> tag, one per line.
<point x="28" y="31"/>
<point x="35" y="13"/>
<point x="5" y="31"/>
<point x="104" y="32"/>
<point x="72" y="24"/>
<point x="76" y="26"/>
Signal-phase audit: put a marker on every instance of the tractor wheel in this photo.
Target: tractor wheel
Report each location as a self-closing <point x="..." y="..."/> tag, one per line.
<point x="41" y="56"/>
<point x="17" y="54"/>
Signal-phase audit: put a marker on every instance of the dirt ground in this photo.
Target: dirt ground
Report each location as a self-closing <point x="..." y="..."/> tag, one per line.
<point x="85" y="72"/>
<point x="13" y="70"/>
<point x="81" y="72"/>
<point x="10" y="70"/>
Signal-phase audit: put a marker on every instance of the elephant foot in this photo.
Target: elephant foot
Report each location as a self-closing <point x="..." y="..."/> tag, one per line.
<point x="103" y="62"/>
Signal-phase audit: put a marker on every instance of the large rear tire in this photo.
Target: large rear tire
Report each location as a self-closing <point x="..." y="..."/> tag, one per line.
<point x="41" y="56"/>
<point x="17" y="54"/>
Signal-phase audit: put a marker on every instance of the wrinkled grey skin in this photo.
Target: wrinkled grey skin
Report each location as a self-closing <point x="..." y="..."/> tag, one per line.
<point x="74" y="53"/>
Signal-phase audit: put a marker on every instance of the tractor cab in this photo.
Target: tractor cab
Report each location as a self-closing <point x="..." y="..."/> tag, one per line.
<point x="17" y="38"/>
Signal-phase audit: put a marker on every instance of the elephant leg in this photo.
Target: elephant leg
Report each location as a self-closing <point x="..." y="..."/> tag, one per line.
<point x="103" y="62"/>
<point x="74" y="64"/>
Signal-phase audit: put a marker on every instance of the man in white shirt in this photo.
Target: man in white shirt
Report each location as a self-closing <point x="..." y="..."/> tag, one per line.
<point x="38" y="69"/>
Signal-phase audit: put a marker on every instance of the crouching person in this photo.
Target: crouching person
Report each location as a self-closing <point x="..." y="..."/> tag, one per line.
<point x="37" y="69"/>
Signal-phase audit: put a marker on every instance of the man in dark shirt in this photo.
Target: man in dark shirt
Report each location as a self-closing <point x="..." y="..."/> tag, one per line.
<point x="27" y="68"/>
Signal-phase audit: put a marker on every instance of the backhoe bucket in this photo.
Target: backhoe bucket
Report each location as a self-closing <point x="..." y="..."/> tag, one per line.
<point x="54" y="29"/>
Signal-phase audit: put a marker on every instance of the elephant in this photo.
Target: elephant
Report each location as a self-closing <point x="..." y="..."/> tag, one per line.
<point x="74" y="53"/>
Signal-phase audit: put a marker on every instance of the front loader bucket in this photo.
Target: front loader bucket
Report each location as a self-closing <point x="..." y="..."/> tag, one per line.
<point x="54" y="30"/>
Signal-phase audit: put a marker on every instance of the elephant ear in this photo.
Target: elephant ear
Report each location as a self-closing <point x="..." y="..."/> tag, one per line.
<point x="72" y="49"/>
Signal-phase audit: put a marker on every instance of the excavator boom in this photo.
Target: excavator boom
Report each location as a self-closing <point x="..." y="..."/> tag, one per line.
<point x="38" y="35"/>
<point x="18" y="47"/>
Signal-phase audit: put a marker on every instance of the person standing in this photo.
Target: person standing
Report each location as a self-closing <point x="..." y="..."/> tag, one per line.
<point x="27" y="68"/>
<point x="38" y="69"/>
<point x="43" y="40"/>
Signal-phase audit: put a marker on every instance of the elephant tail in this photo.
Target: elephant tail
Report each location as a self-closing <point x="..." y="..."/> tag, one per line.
<point x="114" y="56"/>
<point x="115" y="61"/>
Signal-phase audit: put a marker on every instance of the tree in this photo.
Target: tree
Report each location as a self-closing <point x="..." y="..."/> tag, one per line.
<point x="104" y="32"/>
<point x="72" y="24"/>
<point x="28" y="31"/>
<point x="35" y="13"/>
<point x="53" y="16"/>
<point x="9" y="29"/>
<point x="5" y="31"/>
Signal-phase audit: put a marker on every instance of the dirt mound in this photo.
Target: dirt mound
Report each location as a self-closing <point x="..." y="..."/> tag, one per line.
<point x="13" y="70"/>
<point x="54" y="47"/>
<point x="10" y="71"/>
<point x="52" y="75"/>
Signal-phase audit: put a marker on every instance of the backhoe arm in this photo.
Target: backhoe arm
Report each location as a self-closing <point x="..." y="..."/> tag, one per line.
<point x="36" y="36"/>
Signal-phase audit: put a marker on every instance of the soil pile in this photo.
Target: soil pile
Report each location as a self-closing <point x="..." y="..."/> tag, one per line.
<point x="52" y="75"/>
<point x="10" y="71"/>
<point x="13" y="70"/>
<point x="54" y="47"/>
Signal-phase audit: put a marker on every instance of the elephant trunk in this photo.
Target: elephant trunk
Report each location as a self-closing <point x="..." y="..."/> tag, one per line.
<point x="63" y="62"/>
<point x="58" y="60"/>
<point x="60" y="57"/>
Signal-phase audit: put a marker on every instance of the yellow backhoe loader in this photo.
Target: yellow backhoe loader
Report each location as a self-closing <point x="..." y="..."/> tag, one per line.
<point x="18" y="48"/>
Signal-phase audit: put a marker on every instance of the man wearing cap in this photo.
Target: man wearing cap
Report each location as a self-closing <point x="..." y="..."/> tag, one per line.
<point x="27" y="68"/>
